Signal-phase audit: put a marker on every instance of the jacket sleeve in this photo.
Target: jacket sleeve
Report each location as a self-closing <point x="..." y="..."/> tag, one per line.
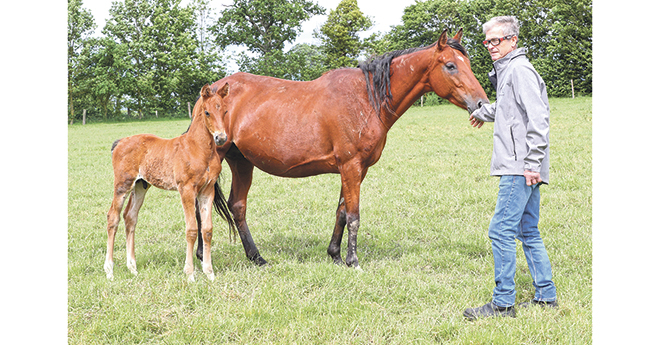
<point x="486" y="113"/>
<point x="530" y="95"/>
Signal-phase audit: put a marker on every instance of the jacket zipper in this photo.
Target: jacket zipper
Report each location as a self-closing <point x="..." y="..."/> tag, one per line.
<point x="515" y="155"/>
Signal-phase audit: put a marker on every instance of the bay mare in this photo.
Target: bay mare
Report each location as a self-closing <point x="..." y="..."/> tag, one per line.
<point x="337" y="123"/>
<point x="188" y="164"/>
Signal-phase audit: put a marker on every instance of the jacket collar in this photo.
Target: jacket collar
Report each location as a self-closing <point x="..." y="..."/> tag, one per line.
<point x="501" y="64"/>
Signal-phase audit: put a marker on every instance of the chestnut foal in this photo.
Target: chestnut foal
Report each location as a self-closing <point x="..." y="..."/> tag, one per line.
<point x="188" y="163"/>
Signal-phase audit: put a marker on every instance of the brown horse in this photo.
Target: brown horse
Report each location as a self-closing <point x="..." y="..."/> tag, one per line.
<point x="337" y="123"/>
<point x="189" y="164"/>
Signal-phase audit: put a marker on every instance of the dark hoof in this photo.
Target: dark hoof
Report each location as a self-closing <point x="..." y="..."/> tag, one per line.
<point x="259" y="260"/>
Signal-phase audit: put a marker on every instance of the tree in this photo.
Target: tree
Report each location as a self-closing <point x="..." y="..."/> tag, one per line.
<point x="80" y="28"/>
<point x="339" y="35"/>
<point x="263" y="26"/>
<point x="167" y="65"/>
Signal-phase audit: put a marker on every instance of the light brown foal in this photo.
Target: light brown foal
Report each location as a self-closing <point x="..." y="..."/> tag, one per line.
<point x="188" y="164"/>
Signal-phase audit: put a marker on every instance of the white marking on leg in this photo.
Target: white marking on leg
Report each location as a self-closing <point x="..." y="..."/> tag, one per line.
<point x="132" y="266"/>
<point x="108" y="267"/>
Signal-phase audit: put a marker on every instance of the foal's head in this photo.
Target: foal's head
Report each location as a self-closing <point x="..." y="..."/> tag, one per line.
<point x="213" y="110"/>
<point x="451" y="75"/>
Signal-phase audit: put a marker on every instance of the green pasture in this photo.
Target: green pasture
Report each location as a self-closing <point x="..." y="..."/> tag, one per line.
<point x="423" y="246"/>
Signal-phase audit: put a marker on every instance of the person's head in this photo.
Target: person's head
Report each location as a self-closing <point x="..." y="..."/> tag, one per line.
<point x="501" y="36"/>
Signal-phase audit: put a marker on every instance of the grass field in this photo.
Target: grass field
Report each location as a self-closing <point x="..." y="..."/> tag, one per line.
<point x="423" y="246"/>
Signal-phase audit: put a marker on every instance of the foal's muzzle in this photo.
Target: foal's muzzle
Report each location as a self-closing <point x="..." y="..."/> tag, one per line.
<point x="220" y="138"/>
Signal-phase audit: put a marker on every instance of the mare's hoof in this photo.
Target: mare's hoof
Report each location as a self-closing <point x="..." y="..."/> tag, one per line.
<point x="259" y="260"/>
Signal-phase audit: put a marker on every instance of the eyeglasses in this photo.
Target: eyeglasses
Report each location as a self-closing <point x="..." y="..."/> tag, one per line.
<point x="496" y="41"/>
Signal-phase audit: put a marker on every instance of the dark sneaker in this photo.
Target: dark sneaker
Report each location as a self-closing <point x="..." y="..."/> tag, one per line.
<point x="542" y="304"/>
<point x="489" y="310"/>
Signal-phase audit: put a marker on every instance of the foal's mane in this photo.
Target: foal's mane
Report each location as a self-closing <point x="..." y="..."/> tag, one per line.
<point x="378" y="86"/>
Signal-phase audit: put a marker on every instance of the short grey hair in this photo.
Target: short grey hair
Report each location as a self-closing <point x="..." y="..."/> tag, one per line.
<point x="509" y="25"/>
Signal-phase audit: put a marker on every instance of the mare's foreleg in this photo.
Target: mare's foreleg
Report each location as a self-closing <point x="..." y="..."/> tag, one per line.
<point x="351" y="179"/>
<point x="130" y="219"/>
<point x="114" y="216"/>
<point x="334" y="249"/>
<point x="241" y="181"/>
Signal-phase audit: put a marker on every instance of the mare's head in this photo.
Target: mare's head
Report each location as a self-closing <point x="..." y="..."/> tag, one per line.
<point x="450" y="74"/>
<point x="213" y="111"/>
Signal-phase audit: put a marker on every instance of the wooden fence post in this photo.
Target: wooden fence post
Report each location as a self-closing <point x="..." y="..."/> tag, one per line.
<point x="572" y="89"/>
<point x="84" y="116"/>
<point x="156" y="113"/>
<point x="189" y="114"/>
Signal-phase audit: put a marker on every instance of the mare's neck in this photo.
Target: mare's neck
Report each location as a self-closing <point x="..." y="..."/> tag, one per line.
<point x="409" y="81"/>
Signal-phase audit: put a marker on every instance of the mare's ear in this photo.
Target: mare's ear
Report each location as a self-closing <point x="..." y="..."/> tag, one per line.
<point x="224" y="91"/>
<point x="459" y="35"/>
<point x="442" y="41"/>
<point x="206" y="91"/>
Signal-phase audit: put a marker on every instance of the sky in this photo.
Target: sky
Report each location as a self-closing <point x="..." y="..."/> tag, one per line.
<point x="383" y="13"/>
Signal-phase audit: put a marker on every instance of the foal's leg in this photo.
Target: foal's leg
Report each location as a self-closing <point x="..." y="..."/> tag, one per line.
<point x="334" y="249"/>
<point x="130" y="219"/>
<point x="205" y="202"/>
<point x="121" y="190"/>
<point x="241" y="181"/>
<point x="188" y="202"/>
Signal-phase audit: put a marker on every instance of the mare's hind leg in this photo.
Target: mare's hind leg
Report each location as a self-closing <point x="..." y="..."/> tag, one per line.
<point x="130" y="219"/>
<point x="334" y="249"/>
<point x="121" y="190"/>
<point x="200" y="242"/>
<point x="241" y="170"/>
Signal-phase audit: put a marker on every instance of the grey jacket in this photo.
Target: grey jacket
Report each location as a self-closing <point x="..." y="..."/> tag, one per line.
<point x="522" y="118"/>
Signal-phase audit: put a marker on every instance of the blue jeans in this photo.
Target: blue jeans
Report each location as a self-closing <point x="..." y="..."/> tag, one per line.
<point x="517" y="217"/>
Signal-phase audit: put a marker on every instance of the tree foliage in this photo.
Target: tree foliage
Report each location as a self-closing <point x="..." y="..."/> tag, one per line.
<point x="339" y="35"/>
<point x="81" y="26"/>
<point x="263" y="26"/>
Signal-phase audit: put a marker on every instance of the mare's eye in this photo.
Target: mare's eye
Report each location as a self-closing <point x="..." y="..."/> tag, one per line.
<point x="451" y="66"/>
<point x="207" y="114"/>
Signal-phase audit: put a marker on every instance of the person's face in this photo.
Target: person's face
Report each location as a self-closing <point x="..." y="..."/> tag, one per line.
<point x="505" y="47"/>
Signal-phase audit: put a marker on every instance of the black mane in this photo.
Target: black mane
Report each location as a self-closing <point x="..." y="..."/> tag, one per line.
<point x="378" y="86"/>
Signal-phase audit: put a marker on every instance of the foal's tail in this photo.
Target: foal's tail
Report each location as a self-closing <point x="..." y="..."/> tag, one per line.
<point x="220" y="204"/>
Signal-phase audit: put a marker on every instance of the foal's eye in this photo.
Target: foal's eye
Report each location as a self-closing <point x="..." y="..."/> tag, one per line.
<point x="207" y="114"/>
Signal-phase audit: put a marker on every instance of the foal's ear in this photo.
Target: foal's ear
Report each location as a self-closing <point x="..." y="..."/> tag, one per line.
<point x="442" y="41"/>
<point x="206" y="91"/>
<point x="223" y="91"/>
<point x="459" y="35"/>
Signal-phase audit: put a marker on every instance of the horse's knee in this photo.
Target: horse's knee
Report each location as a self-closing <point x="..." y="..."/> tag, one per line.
<point x="238" y="209"/>
<point x="191" y="234"/>
<point x="207" y="234"/>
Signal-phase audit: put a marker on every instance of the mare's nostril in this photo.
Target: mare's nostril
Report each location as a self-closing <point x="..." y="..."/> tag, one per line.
<point x="479" y="104"/>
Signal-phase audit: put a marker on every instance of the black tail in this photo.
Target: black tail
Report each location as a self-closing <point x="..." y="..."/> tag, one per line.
<point x="114" y="145"/>
<point x="220" y="204"/>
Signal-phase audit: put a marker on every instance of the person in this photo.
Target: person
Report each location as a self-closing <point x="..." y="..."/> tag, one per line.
<point x="521" y="116"/>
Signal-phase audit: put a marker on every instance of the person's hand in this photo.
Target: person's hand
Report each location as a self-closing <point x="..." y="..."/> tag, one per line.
<point x="476" y="122"/>
<point x="532" y="177"/>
